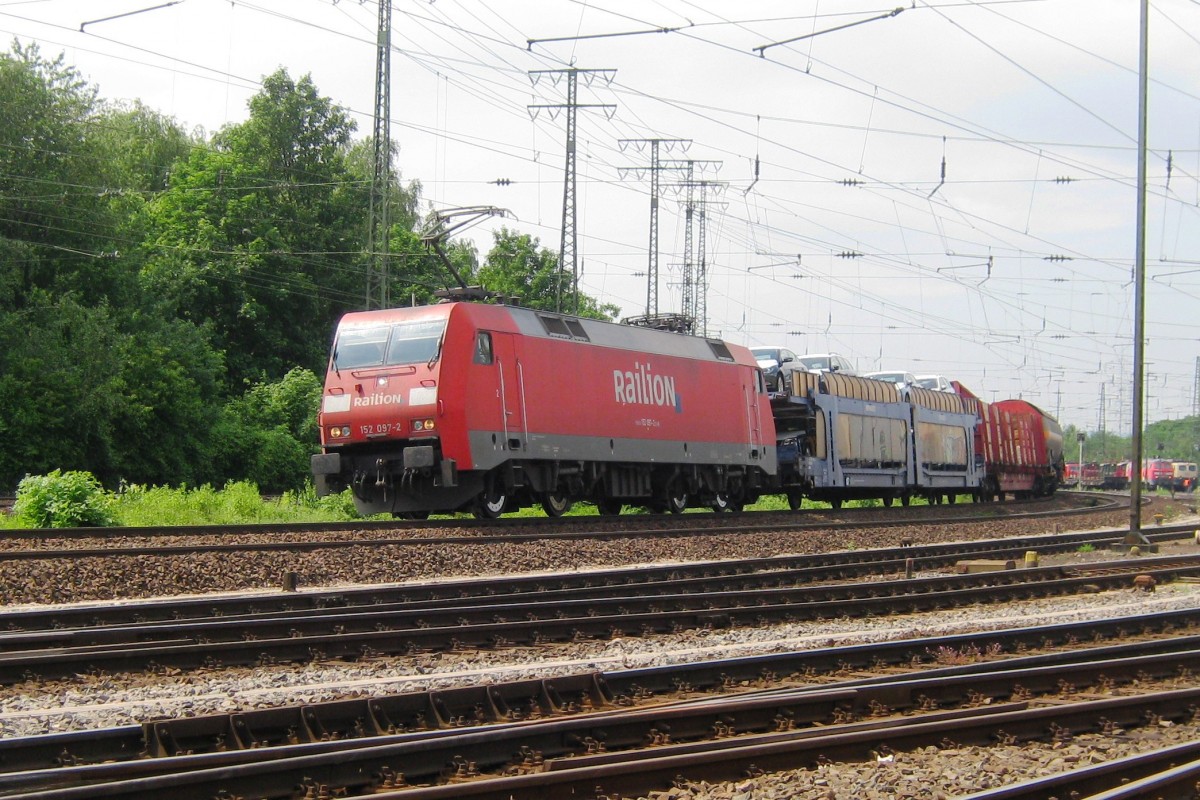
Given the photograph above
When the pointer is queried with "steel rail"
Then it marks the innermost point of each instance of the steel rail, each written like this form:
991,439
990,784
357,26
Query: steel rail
377,768
729,592
593,528
1168,773
346,725
661,768
670,578
342,720
50,655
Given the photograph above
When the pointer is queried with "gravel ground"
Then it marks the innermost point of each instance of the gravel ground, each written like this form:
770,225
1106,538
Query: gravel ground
58,581
935,774
94,702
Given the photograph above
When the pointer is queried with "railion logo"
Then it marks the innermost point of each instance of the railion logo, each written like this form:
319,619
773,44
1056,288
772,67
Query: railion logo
379,400
641,386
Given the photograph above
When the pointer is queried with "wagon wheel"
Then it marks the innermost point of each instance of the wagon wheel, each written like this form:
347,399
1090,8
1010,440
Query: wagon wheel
887,501
555,504
836,503
492,500
795,499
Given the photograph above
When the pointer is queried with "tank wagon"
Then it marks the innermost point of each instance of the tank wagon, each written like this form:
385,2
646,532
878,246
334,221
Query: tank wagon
1021,447
488,408
841,437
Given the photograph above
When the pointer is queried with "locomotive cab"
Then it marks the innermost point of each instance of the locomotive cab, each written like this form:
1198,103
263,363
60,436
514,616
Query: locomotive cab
379,411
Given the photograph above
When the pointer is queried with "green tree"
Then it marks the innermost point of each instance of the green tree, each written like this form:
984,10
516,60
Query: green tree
261,233
81,388
58,229
268,434
517,266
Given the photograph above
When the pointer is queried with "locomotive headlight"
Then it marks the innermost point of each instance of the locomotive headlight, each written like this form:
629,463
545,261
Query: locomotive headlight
339,432
419,425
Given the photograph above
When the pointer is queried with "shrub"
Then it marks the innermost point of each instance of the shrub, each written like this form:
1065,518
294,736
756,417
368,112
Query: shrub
62,500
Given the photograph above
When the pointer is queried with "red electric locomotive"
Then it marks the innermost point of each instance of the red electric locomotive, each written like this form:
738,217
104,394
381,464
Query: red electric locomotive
1022,448
1158,473
487,408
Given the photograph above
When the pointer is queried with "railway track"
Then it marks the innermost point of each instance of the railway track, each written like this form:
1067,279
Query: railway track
124,542
626,733
494,622
168,756
669,579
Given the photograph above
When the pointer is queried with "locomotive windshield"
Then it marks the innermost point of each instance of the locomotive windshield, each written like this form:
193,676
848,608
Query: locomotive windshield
388,345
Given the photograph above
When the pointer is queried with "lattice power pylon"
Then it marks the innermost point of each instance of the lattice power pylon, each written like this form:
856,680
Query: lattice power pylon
378,280
568,252
654,168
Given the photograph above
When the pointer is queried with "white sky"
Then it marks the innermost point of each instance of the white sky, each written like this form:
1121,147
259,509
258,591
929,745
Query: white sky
1013,95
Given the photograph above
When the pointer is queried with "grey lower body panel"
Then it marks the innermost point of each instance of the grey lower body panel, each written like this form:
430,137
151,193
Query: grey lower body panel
492,448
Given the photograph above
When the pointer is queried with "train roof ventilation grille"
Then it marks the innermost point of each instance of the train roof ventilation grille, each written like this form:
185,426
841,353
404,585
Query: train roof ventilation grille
720,350
576,329
563,328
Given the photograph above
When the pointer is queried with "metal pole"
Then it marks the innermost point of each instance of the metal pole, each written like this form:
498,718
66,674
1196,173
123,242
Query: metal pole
1139,280
1079,470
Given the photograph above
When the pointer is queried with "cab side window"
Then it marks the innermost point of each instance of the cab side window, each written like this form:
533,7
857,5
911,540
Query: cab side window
483,348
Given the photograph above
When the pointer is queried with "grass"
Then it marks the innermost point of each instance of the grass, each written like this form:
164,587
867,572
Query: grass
240,502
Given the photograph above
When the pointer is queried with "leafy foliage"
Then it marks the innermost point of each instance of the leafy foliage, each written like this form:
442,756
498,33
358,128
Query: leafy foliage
517,266
62,500
269,433
1174,439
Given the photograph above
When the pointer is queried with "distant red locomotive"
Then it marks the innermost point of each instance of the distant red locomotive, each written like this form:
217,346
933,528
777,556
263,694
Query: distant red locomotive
1021,446
1158,473
487,408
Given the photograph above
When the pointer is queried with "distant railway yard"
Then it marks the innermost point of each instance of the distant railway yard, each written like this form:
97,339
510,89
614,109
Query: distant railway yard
938,651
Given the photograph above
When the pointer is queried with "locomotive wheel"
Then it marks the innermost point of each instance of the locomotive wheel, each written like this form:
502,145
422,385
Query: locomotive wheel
491,502
555,504
677,498
608,507
727,501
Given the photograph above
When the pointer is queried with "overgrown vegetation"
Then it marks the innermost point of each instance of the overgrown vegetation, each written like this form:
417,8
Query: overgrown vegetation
62,500
76,499
1173,439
